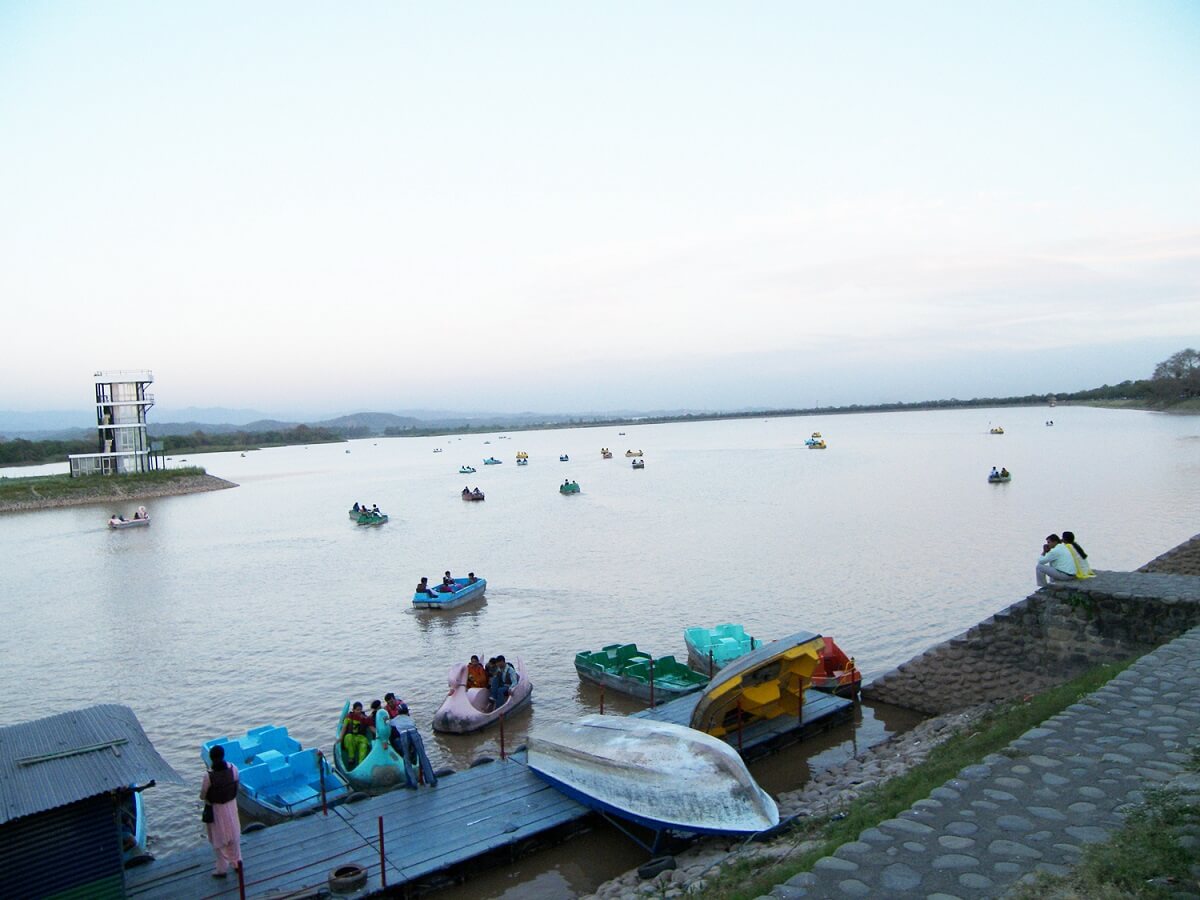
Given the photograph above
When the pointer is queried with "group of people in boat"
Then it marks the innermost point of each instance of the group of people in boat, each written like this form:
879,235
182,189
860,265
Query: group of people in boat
358,728
476,494
448,585
499,676
137,516
1002,473
1062,559
363,510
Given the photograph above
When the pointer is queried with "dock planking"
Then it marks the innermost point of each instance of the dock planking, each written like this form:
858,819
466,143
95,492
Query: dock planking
502,802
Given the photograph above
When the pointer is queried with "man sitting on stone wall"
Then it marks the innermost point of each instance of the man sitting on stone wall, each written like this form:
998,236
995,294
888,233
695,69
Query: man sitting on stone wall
1055,563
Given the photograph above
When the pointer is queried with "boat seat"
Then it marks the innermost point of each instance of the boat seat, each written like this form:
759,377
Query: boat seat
273,760
295,794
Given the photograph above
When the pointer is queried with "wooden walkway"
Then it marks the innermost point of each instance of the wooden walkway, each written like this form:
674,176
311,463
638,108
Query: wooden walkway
493,807
820,711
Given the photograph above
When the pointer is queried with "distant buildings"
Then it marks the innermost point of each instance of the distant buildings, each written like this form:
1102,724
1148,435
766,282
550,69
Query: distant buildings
123,445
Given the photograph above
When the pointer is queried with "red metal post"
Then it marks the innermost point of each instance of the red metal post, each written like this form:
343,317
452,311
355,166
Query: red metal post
652,682
321,772
241,881
502,735
800,700
739,712
382,857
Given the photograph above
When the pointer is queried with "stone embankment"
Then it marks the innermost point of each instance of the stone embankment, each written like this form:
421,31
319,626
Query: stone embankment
1036,804
111,490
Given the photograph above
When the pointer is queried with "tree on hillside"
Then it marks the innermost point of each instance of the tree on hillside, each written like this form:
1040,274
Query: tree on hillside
1178,376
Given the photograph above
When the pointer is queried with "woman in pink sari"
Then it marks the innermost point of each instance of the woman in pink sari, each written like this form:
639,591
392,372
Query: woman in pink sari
219,790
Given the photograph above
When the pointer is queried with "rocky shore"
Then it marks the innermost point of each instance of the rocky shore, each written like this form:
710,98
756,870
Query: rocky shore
111,490
827,793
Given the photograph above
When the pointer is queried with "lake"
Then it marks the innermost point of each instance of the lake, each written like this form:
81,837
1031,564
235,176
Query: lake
265,603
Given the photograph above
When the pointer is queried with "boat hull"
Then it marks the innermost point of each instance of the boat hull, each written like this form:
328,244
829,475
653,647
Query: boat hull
128,523
764,684
465,709
625,669
664,691
659,775
999,479
463,594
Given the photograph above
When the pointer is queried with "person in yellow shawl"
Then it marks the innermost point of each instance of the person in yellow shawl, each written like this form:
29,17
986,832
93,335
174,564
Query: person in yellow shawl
1083,569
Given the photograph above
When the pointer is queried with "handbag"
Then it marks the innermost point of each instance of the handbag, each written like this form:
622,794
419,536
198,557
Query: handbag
207,815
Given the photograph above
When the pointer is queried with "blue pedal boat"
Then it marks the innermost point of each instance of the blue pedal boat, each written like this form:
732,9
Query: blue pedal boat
710,649
382,768
279,779
464,592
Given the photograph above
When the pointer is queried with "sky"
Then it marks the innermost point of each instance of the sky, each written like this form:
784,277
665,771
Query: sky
298,206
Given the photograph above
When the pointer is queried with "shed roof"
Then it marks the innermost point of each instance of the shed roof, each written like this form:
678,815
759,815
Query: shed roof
58,760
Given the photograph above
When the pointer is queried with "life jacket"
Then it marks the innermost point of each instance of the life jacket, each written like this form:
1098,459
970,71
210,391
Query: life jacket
222,785
476,675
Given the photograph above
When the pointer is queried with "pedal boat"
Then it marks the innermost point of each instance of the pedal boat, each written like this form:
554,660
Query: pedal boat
627,670
466,709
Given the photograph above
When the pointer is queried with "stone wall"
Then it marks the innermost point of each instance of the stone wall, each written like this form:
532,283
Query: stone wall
1048,638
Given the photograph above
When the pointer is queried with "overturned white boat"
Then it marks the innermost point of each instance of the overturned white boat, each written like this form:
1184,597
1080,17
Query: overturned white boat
662,776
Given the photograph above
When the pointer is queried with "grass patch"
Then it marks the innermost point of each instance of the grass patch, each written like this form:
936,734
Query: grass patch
57,487
991,734
1144,859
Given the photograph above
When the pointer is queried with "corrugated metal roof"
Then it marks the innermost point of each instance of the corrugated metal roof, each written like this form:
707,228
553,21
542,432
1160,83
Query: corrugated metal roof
50,762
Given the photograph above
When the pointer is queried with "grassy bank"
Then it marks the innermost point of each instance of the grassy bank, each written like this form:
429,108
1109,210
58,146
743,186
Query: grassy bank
748,879
49,489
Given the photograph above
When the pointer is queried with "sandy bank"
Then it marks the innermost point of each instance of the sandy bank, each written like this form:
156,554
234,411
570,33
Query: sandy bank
110,490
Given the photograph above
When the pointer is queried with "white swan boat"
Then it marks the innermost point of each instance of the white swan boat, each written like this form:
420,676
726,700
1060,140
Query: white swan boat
662,776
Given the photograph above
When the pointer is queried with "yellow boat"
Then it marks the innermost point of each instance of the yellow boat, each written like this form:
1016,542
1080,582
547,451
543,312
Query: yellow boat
766,683
521,454
997,430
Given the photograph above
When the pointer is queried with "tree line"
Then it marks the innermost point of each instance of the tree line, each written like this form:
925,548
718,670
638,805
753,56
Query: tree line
1174,380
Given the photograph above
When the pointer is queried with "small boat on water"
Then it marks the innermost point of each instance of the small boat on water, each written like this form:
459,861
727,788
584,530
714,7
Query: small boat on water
1002,477
466,709
140,519
521,454
277,778
639,464
522,462
466,470
633,453
465,590
367,518
492,461
605,453
997,430
711,649
655,774
836,673
764,684
569,487
474,495
624,668
562,457
437,449
815,444
382,768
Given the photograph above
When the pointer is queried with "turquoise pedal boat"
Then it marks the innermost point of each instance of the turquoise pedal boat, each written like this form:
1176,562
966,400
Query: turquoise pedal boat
710,649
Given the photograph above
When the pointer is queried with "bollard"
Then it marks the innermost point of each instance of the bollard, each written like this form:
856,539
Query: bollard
241,881
382,857
321,772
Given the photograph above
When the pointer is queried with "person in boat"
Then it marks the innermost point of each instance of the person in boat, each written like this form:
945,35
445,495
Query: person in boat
503,681
375,510
356,728
477,676
424,588
1083,569
471,579
355,507
219,791
1055,564
1003,473
394,705
994,473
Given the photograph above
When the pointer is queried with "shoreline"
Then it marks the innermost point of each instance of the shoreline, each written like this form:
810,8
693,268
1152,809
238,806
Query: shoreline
193,484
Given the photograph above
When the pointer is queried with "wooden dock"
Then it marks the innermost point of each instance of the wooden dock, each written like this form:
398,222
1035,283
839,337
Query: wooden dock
491,812
495,808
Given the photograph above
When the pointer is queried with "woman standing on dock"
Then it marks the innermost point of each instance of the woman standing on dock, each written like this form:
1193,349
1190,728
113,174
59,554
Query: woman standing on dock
219,793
